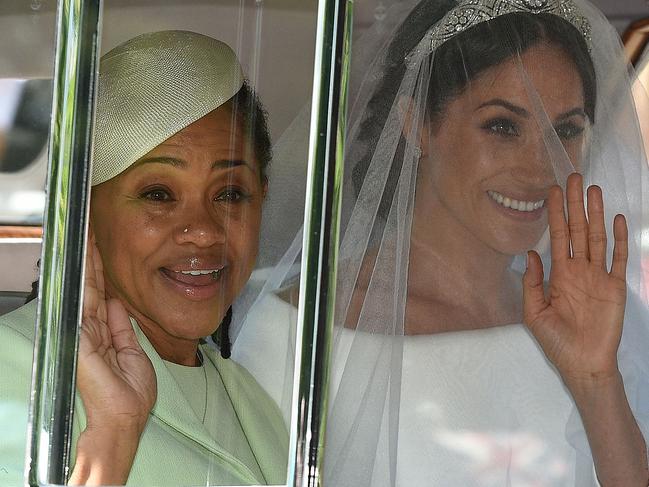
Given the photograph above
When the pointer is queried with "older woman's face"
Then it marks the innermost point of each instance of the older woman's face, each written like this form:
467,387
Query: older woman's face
178,231
486,157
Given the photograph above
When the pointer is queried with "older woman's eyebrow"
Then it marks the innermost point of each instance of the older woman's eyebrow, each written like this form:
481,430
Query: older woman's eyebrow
228,163
499,102
162,160
182,164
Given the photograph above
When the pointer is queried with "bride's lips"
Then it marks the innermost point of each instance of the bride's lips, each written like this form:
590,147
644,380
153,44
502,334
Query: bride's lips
524,209
195,284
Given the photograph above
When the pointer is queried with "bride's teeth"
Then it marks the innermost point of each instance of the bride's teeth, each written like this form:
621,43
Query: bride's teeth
518,205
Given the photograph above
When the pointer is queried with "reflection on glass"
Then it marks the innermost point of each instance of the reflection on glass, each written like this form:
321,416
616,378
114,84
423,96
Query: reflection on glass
640,90
189,222
178,187
25,101
24,123
641,98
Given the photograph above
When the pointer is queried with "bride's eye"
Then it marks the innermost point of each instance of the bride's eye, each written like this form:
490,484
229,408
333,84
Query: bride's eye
569,130
502,126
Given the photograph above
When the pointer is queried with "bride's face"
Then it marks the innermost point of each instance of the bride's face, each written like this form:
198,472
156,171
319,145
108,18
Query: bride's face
486,159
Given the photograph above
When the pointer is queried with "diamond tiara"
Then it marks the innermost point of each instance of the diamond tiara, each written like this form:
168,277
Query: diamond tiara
469,13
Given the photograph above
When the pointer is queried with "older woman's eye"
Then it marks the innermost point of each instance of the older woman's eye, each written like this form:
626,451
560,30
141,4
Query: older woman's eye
156,195
502,126
232,195
569,130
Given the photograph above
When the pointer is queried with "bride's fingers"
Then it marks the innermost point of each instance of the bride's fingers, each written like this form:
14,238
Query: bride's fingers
621,248
577,223
559,236
533,293
596,227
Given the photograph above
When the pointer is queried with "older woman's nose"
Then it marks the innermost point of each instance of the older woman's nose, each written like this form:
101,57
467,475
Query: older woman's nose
201,227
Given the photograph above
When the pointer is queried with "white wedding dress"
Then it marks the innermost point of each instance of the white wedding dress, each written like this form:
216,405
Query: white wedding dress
470,414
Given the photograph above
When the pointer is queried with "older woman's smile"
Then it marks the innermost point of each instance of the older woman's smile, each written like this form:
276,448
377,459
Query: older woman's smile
214,273
195,284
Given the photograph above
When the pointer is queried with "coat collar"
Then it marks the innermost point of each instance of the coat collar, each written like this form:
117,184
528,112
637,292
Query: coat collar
173,409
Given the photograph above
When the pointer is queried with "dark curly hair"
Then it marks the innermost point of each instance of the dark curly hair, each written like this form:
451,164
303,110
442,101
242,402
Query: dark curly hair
246,105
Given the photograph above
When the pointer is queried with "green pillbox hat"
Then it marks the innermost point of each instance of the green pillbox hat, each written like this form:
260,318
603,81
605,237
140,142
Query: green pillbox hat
153,86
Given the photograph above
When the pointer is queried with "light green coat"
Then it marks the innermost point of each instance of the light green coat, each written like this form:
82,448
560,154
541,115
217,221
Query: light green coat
175,448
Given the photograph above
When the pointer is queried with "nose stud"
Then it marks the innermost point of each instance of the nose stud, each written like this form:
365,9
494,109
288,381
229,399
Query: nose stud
197,232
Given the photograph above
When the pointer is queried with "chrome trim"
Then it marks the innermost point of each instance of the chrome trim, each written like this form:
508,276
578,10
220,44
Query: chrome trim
61,277
320,242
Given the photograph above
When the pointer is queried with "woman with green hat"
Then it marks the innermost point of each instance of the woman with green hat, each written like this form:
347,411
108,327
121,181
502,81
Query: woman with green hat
179,178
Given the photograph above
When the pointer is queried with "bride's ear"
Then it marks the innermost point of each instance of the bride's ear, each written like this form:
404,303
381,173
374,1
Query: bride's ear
413,122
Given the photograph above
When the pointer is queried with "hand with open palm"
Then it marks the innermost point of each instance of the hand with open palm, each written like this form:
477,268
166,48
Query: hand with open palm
578,323
578,320
116,382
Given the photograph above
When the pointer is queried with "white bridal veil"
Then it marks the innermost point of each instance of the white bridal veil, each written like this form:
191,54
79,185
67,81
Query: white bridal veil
434,379
461,117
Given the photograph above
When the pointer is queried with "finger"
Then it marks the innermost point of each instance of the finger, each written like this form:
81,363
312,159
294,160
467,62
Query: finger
88,336
621,248
90,296
121,330
533,295
559,236
577,223
596,227
99,278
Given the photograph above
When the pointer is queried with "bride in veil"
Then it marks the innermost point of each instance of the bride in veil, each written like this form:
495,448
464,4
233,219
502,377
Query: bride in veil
490,327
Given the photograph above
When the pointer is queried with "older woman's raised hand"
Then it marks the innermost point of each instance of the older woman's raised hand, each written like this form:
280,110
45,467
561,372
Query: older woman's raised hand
116,381
578,321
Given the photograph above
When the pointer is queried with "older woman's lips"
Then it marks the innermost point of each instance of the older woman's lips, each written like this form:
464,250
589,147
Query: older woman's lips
195,284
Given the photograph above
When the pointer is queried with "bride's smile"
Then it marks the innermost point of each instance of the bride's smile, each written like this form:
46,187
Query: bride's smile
521,205
497,193
521,209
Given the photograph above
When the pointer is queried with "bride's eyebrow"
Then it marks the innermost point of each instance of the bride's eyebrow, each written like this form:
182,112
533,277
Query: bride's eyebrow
575,111
499,102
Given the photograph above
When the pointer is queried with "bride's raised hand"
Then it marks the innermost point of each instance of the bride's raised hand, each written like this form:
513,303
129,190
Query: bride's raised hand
116,382
578,320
